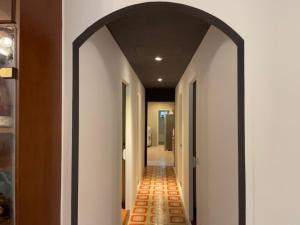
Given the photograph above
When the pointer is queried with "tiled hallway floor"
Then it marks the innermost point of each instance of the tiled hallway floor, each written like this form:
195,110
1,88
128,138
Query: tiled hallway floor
158,200
158,156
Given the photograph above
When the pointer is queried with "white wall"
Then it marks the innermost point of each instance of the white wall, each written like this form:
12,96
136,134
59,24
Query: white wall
178,138
271,33
103,67
140,139
214,68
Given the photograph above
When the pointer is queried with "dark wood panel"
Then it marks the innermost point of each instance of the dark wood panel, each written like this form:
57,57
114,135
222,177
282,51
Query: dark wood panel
39,113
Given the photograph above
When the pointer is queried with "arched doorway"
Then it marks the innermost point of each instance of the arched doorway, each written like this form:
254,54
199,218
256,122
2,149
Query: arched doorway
240,80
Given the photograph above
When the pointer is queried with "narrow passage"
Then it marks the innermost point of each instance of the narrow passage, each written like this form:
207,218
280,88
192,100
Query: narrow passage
158,200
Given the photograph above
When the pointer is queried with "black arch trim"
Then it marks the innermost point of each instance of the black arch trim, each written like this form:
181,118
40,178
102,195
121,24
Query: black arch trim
198,13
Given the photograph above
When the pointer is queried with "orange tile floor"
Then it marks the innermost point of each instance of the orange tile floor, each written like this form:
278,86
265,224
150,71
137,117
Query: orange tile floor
158,200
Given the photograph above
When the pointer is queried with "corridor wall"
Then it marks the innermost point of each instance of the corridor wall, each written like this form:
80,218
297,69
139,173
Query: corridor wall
272,81
214,68
103,68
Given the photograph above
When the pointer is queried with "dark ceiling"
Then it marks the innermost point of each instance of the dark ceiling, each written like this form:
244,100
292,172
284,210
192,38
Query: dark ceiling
158,31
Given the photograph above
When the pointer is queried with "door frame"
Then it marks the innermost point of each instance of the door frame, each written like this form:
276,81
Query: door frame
156,95
193,152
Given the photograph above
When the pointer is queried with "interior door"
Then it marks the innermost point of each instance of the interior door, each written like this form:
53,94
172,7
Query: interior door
123,144
193,153
169,126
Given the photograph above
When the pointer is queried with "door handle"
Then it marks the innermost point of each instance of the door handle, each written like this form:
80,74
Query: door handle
124,154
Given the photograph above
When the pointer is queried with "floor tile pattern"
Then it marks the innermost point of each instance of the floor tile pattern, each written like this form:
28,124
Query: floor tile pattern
158,200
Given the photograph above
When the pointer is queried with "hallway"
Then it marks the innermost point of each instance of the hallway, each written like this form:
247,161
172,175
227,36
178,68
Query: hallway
158,199
172,107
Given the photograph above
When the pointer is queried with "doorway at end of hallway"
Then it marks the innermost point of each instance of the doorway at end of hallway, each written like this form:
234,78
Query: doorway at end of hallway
160,133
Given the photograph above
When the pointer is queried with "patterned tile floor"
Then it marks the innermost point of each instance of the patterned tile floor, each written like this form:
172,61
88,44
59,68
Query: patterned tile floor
158,200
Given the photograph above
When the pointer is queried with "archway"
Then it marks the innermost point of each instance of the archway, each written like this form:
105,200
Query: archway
240,101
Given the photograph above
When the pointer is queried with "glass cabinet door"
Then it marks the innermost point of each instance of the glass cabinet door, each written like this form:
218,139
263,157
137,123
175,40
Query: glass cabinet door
7,150
7,111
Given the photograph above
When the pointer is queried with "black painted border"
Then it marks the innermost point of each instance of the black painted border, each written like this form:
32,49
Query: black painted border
236,38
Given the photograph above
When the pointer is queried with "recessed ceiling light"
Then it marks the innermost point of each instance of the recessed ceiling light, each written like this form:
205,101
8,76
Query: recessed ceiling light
158,58
159,79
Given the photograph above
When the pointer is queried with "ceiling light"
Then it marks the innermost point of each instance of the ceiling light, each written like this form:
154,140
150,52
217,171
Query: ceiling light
159,79
158,58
